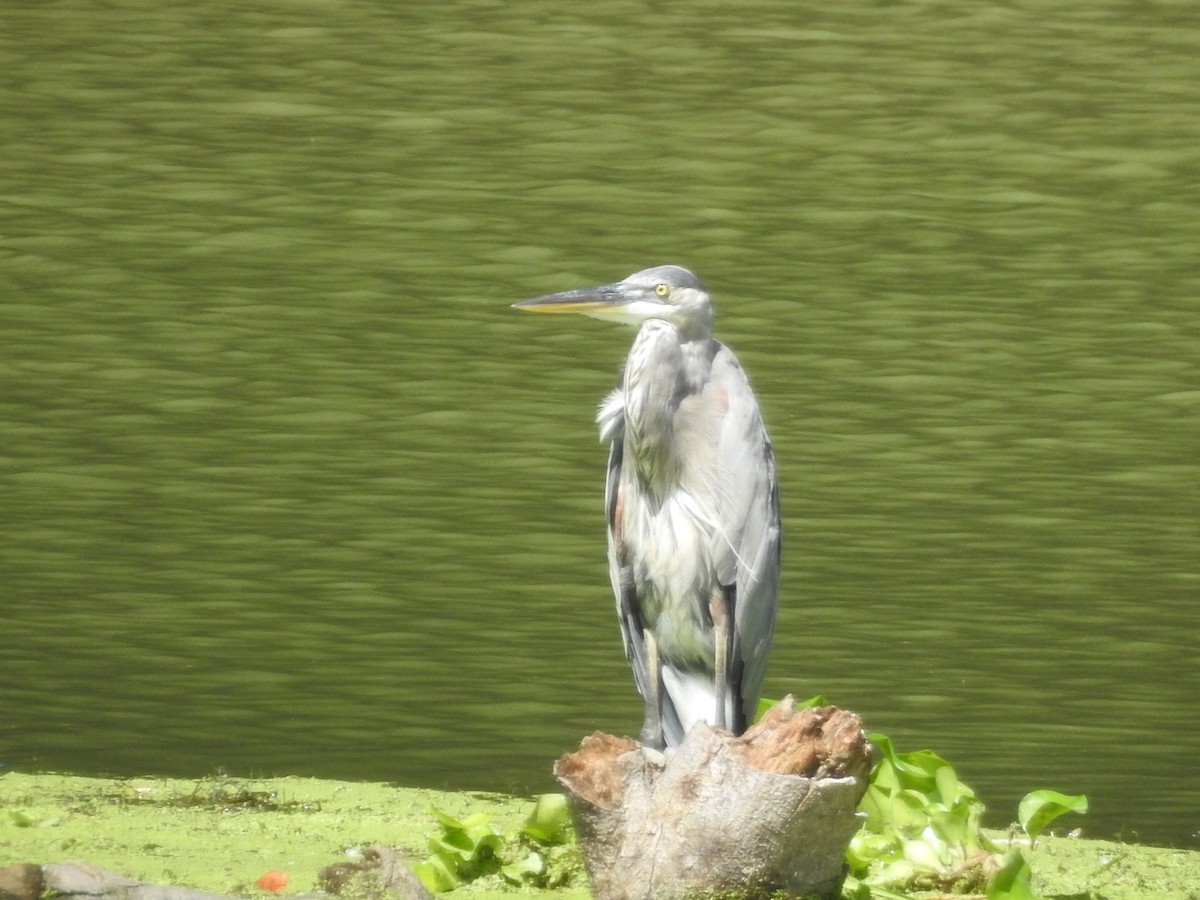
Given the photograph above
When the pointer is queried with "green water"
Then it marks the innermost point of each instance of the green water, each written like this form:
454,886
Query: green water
287,487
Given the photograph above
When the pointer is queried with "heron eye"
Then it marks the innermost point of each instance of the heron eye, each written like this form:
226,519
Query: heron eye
662,290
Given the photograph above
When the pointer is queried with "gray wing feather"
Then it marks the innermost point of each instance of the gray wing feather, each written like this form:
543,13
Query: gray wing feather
628,614
747,509
750,515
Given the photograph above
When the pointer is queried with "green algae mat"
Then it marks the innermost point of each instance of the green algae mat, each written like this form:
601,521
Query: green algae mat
224,834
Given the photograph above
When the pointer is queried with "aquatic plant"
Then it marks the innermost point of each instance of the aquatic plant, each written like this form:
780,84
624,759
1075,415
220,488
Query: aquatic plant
922,830
540,853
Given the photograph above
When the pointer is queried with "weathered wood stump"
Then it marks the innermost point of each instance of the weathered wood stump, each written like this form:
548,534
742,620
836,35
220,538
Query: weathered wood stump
772,810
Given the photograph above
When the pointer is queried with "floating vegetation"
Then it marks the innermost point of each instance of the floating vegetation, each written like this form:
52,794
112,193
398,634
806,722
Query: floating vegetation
922,831
219,792
542,853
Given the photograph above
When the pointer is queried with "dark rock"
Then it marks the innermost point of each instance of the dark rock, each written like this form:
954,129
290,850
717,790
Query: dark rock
382,874
21,882
80,881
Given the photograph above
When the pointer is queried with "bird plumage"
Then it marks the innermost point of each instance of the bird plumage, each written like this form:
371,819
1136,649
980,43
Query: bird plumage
692,506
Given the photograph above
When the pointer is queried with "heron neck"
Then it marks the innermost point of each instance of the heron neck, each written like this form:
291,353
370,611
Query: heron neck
662,370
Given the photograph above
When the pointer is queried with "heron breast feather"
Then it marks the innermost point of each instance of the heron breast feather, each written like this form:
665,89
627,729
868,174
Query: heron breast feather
672,548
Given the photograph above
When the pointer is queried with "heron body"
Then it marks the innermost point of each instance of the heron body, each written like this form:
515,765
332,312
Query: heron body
692,505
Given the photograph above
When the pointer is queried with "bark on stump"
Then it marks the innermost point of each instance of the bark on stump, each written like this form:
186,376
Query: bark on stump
772,810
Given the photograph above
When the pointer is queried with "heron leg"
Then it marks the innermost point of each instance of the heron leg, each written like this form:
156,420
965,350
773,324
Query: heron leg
720,618
652,728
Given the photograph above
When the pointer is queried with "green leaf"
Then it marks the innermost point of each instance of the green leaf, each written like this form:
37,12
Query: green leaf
922,854
854,889
948,785
765,703
865,848
908,812
436,874
898,872
883,744
550,820
446,820
532,865
916,770
953,830
876,804
885,777
475,821
921,819
1012,882
1039,808
453,841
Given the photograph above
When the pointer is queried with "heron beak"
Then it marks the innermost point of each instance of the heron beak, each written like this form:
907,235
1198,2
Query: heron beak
617,302
594,301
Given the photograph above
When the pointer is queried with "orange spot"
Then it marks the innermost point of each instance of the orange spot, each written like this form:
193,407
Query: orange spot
273,881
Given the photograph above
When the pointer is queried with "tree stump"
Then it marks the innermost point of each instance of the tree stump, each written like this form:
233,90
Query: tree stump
772,810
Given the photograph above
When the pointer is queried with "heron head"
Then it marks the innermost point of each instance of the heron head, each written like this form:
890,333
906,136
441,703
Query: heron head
671,293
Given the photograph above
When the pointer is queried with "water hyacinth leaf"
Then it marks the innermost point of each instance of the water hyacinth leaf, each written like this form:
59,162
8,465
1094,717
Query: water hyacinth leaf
923,855
883,744
920,769
437,875
466,849
876,805
885,777
478,825
952,827
1013,881
897,872
454,841
866,847
947,784
532,865
917,770
921,820
1039,808
466,843
854,889
976,839
475,847
447,821
491,841
951,790
766,703
908,812
550,820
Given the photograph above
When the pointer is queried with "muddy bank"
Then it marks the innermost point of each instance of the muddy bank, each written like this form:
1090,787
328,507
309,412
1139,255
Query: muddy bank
222,835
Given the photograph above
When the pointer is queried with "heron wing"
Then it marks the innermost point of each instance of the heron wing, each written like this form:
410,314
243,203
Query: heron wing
612,428
748,513
743,506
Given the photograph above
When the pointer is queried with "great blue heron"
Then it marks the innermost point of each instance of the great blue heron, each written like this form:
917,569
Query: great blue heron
692,505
